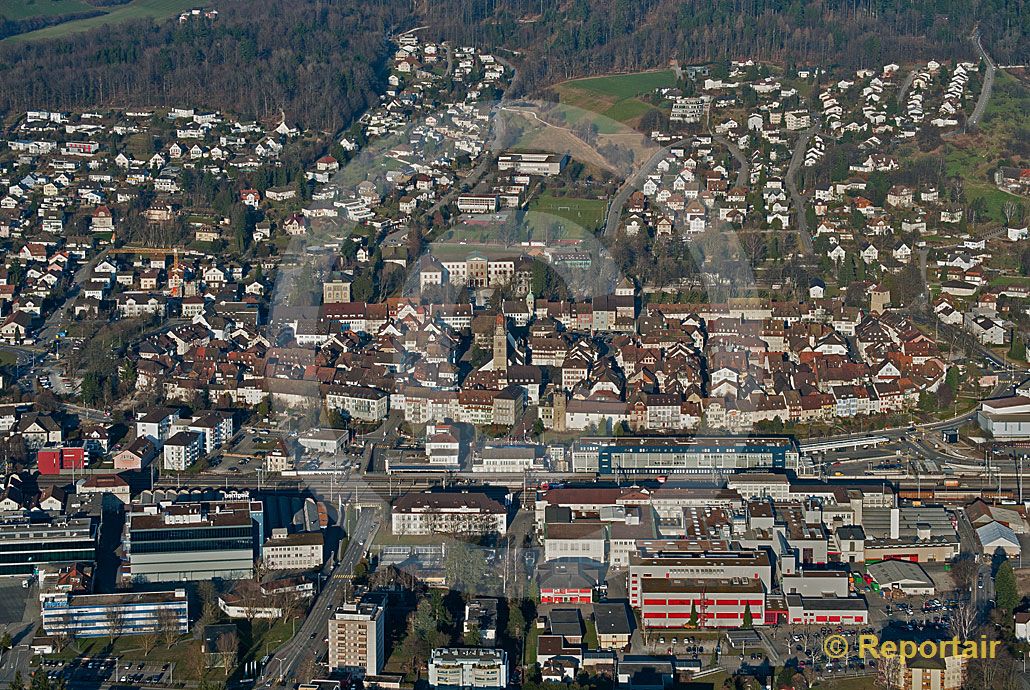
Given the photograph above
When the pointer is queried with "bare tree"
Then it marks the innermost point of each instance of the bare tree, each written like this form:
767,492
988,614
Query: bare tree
227,645
198,660
116,622
965,619
1013,211
149,641
889,672
964,571
168,627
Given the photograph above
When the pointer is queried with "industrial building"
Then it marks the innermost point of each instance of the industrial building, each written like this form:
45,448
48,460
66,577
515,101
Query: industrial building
26,545
193,541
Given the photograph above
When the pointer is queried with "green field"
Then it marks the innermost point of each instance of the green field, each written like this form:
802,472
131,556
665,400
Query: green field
27,9
623,85
995,198
581,214
138,9
614,96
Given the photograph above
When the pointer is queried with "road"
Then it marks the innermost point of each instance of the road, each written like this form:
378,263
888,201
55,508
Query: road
988,84
301,651
796,159
905,85
632,184
54,322
744,173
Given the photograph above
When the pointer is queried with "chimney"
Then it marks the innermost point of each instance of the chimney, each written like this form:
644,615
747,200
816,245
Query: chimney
895,522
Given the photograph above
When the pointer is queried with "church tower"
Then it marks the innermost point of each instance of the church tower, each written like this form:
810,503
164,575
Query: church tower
500,362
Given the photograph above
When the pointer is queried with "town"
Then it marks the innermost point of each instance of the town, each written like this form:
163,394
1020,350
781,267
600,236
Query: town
662,379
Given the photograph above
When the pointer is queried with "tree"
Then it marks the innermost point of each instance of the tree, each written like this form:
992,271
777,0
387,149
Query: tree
116,621
889,672
466,567
227,645
471,637
516,621
1006,594
40,680
1017,350
5,641
148,641
964,618
168,626
749,618
16,682
92,388
693,614
208,602
964,572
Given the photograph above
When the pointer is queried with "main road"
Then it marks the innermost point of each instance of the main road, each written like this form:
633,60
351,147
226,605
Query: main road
301,651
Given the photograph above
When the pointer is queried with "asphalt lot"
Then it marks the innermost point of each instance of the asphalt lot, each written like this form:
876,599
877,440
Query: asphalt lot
13,598
100,670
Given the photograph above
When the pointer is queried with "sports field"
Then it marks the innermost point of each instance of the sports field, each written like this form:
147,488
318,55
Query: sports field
586,214
137,9
614,96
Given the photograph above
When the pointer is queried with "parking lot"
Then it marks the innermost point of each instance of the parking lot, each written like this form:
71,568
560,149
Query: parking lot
108,670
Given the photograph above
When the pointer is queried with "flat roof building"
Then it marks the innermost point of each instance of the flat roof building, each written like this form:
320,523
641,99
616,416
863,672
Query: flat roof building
451,668
357,636
111,615
26,545
193,541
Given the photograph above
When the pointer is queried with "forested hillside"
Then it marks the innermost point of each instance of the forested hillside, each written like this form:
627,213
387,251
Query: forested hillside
579,37
318,60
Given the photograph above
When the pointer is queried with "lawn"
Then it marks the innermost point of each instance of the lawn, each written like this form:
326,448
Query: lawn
1009,107
8,359
584,214
28,9
995,198
138,9
614,96
623,85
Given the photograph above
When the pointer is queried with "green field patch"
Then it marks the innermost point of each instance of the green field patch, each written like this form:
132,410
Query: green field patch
627,110
613,96
624,85
30,9
138,9
995,198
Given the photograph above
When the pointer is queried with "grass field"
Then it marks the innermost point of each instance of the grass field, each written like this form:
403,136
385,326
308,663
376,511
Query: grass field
613,96
587,214
995,198
622,86
138,9
27,9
